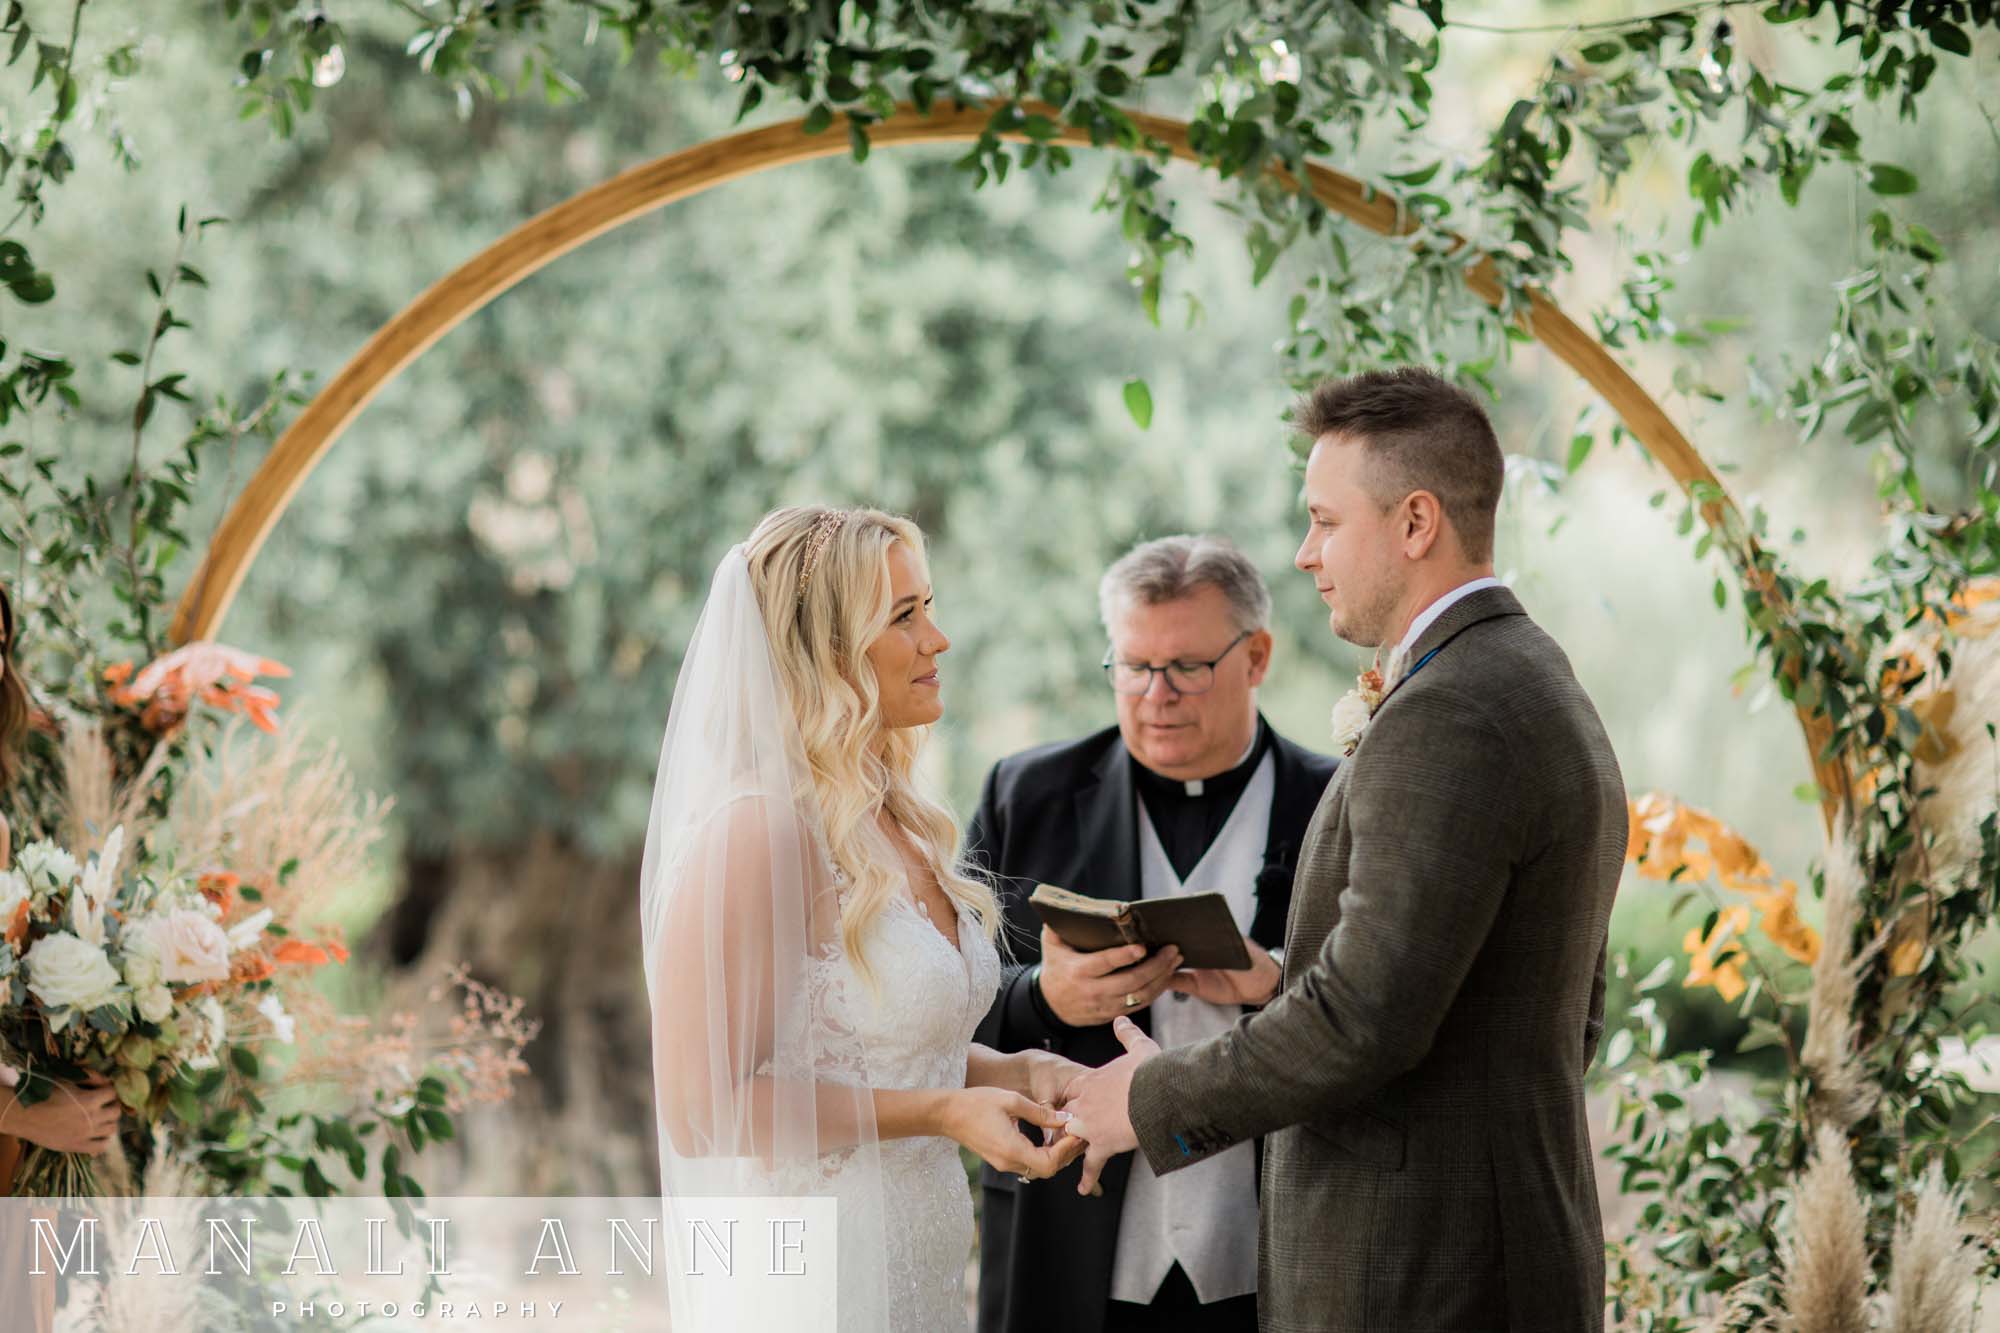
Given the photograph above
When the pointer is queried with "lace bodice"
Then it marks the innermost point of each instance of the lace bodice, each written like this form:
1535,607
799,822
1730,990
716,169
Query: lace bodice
912,1031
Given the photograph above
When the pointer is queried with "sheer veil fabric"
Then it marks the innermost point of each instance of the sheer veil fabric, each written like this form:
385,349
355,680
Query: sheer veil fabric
760,1087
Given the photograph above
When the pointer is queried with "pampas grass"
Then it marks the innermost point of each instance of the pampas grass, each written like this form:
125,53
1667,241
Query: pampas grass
1826,1265
145,1300
94,802
281,813
1956,761
1842,1091
1933,1282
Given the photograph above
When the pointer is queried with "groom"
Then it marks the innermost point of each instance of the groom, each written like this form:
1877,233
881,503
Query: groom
1419,1079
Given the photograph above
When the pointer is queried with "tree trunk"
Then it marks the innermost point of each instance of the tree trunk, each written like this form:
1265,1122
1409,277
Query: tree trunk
560,929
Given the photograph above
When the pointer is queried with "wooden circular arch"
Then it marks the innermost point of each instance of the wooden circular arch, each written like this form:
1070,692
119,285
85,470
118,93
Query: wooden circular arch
643,189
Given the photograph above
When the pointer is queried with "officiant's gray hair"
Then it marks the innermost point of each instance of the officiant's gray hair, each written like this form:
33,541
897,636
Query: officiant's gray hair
1170,568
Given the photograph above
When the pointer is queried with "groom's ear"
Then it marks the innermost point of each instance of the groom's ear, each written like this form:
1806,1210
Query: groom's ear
1422,521
1260,645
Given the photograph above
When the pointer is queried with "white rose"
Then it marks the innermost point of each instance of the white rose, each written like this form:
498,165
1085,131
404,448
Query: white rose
155,1003
14,891
47,866
1350,718
248,931
62,969
190,947
204,1041
282,1023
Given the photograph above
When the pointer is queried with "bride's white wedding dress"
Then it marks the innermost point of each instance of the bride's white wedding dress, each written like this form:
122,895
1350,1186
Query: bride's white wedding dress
915,1035
769,1044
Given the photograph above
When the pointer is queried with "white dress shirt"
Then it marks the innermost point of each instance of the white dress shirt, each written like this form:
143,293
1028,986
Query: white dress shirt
1429,615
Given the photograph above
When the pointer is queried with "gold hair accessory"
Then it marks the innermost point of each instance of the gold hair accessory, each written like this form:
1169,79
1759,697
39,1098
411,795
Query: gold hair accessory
823,530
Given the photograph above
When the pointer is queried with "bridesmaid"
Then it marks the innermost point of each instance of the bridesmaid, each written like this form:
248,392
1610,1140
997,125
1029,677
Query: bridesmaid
75,1118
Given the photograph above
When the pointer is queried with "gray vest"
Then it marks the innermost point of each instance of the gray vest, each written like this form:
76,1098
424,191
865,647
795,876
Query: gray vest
1204,1216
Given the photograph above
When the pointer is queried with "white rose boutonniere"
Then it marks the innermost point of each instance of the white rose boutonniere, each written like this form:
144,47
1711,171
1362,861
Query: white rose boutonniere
1351,715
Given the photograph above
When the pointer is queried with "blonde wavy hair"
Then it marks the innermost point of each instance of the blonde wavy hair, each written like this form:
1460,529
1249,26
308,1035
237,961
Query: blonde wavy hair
820,626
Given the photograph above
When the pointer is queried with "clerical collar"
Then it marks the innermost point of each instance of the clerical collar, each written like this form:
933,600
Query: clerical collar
1228,784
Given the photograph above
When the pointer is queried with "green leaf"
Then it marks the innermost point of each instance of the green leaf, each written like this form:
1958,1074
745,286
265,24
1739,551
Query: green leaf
818,119
1887,178
1139,402
857,140
1763,1032
1950,37
1619,1049
1579,449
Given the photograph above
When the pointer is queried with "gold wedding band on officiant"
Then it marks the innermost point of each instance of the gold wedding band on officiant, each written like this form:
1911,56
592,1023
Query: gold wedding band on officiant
1131,1002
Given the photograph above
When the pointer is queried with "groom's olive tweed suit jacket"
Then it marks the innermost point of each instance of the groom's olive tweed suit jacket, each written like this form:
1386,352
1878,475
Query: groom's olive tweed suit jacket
1419,1080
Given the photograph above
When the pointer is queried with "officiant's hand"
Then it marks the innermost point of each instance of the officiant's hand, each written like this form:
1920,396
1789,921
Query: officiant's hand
1256,984
1099,1104
1086,989
985,1120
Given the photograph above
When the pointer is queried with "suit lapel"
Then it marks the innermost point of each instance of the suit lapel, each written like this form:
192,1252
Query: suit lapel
1289,810
1460,616
1107,823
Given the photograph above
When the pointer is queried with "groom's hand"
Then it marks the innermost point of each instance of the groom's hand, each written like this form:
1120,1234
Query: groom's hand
1254,985
1086,989
1099,1104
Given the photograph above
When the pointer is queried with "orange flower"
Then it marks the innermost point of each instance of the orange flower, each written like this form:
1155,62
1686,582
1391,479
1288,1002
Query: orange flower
1781,923
310,955
1703,969
220,888
1970,598
214,673
17,929
298,951
1660,830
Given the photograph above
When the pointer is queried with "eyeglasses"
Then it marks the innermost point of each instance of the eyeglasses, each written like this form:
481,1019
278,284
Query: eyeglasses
1182,677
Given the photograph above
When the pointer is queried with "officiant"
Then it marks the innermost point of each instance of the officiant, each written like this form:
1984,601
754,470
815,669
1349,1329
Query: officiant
1191,792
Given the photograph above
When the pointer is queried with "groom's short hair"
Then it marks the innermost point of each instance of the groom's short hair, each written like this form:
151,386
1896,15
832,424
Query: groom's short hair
1422,433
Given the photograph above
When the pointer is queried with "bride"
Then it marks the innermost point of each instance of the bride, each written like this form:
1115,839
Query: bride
816,961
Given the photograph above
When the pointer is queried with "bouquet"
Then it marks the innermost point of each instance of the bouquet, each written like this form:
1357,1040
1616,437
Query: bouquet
140,973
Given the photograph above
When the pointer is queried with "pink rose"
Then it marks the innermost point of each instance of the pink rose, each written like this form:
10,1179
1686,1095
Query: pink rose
190,947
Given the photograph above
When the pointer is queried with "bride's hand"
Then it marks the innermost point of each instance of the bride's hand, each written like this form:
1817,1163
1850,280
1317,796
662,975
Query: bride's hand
983,1119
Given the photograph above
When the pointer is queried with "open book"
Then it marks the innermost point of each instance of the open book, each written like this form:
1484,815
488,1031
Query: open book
1199,923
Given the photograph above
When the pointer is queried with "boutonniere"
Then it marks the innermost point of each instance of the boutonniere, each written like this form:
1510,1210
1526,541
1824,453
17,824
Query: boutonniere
1356,707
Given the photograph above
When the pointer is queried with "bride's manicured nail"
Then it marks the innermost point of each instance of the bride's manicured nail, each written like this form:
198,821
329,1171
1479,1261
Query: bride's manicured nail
1064,1116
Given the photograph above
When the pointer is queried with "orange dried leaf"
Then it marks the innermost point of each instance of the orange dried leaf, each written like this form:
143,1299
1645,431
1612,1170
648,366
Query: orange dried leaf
299,952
